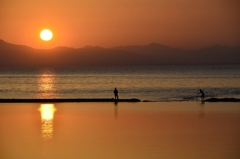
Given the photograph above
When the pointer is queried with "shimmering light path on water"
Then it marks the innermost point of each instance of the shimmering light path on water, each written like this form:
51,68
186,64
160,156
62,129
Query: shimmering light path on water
155,130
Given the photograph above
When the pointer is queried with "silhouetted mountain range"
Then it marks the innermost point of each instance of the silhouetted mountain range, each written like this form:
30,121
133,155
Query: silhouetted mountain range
12,55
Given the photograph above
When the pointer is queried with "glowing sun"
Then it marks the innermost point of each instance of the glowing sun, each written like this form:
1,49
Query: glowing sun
46,35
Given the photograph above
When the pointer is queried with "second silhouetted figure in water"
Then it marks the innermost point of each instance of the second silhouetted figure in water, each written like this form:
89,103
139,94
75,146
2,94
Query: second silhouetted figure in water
115,93
202,94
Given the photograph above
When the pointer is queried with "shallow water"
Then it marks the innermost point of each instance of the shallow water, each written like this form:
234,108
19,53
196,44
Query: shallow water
125,130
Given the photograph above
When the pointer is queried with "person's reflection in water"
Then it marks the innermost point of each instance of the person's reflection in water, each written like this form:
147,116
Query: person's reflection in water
116,109
201,111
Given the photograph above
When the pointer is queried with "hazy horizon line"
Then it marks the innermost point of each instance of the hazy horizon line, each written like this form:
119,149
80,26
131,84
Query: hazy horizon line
97,46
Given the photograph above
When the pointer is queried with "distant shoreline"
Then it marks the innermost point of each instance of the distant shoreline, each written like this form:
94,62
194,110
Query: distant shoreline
101,100
12,55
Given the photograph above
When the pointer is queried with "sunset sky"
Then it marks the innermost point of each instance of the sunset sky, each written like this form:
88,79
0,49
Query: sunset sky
108,23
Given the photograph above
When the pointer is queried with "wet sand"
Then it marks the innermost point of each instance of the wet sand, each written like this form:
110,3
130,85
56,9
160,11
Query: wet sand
107,130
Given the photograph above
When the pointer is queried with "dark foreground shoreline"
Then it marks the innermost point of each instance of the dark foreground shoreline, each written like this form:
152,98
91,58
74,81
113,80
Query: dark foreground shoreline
222,100
100,100
67,100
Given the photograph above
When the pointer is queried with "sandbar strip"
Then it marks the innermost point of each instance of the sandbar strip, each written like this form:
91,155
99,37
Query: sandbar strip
222,100
67,100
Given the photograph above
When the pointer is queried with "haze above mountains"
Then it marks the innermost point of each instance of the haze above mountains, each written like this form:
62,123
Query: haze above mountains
12,55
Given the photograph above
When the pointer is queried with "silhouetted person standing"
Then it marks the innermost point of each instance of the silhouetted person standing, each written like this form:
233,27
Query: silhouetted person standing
202,94
115,93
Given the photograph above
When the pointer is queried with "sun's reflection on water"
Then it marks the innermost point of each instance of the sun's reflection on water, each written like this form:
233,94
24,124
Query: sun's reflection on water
46,85
47,115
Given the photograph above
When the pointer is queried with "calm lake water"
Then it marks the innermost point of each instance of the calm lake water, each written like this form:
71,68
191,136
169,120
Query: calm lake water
171,130
155,83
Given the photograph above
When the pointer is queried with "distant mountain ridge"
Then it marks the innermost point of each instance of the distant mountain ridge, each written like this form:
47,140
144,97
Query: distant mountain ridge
12,55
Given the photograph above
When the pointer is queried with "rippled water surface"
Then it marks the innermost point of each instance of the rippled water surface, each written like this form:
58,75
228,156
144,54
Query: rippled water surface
156,83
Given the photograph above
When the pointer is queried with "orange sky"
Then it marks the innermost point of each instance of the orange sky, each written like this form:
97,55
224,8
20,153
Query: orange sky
107,23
